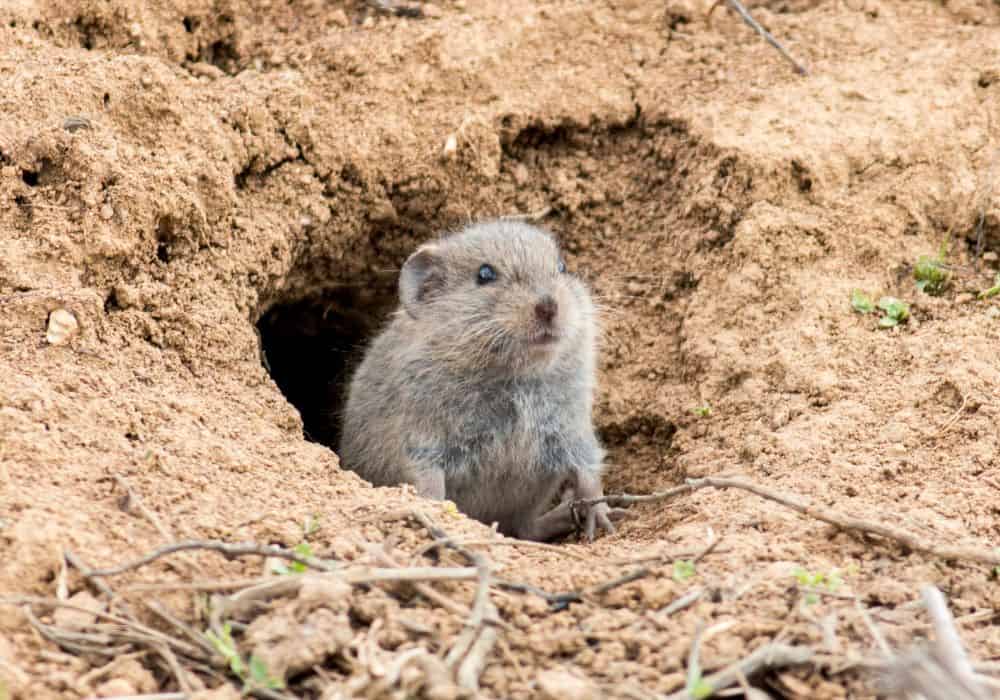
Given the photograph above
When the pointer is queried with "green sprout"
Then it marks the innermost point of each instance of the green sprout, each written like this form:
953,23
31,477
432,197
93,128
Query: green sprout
255,674
931,274
992,291
310,526
304,550
260,676
894,312
225,645
700,689
683,570
861,302
702,411
826,581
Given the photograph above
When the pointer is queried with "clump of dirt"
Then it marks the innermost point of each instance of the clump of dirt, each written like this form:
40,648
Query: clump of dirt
216,189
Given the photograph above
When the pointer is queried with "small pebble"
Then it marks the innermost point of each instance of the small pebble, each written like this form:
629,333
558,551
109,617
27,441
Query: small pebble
431,10
115,687
562,685
339,17
72,124
964,298
74,619
205,70
450,147
107,212
147,81
62,325
990,257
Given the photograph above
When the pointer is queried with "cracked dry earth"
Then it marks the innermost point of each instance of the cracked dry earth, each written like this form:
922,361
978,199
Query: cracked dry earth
194,182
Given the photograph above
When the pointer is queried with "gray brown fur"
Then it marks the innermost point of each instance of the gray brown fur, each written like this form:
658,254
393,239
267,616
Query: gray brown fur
457,397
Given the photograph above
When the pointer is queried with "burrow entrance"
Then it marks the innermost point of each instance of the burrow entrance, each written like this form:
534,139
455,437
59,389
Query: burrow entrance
312,345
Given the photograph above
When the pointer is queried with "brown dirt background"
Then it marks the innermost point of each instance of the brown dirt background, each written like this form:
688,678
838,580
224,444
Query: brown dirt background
244,154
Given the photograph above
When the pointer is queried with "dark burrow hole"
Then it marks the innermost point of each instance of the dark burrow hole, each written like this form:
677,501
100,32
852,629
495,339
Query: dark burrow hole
311,347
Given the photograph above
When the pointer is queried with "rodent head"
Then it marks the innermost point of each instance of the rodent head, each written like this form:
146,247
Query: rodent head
497,296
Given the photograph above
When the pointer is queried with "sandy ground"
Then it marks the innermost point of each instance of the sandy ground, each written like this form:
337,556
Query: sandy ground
187,178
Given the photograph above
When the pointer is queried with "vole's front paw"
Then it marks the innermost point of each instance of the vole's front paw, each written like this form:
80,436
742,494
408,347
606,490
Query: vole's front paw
600,515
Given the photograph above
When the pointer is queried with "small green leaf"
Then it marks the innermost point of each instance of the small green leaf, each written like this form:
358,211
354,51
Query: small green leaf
931,274
701,689
861,302
260,676
310,525
304,550
992,291
226,646
894,312
683,570
702,411
279,567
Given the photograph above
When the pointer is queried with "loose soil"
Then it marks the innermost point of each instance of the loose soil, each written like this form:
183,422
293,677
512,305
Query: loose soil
204,181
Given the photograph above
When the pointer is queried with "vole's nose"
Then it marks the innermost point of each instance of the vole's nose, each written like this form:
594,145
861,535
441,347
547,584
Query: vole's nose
546,309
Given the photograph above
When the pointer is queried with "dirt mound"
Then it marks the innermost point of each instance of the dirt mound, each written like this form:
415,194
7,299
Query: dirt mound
204,184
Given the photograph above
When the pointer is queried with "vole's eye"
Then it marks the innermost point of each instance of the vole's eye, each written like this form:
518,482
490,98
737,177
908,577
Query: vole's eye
486,274
562,266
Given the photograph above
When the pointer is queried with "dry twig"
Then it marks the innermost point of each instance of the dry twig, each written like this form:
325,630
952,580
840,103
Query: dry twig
943,670
131,500
230,551
469,653
766,35
769,656
843,521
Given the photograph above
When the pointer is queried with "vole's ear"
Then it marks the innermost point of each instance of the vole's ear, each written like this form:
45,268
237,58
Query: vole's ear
421,276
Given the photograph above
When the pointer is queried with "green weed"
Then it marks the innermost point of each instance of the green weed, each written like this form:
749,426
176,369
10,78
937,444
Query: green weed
253,674
861,302
683,570
894,312
992,291
826,581
931,274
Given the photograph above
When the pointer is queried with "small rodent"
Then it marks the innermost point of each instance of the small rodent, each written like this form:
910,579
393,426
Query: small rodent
480,387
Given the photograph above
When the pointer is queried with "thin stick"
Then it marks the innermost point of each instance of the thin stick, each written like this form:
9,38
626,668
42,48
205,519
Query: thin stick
230,551
873,629
510,542
184,628
132,499
474,646
769,656
603,588
941,671
87,572
948,641
982,207
425,589
753,24
951,421
902,537
197,586
146,632
154,696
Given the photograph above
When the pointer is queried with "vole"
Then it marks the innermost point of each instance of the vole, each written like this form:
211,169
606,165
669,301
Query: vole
480,387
